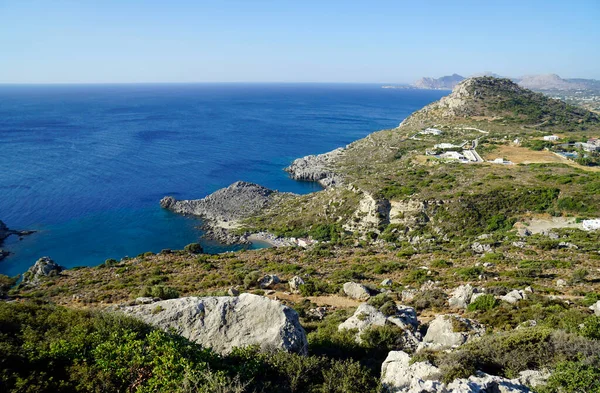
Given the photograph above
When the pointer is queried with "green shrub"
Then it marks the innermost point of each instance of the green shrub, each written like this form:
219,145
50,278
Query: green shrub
315,287
160,291
591,327
251,279
483,303
430,299
573,377
6,283
470,273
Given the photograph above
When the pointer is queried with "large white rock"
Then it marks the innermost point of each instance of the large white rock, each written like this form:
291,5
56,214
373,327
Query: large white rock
596,308
367,317
441,333
514,296
222,323
356,291
295,283
461,296
486,383
398,375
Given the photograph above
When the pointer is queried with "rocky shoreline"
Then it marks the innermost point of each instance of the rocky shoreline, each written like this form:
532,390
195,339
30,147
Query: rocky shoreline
317,168
223,210
6,232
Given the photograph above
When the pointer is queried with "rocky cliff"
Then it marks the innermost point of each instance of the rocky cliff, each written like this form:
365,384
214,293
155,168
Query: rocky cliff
317,168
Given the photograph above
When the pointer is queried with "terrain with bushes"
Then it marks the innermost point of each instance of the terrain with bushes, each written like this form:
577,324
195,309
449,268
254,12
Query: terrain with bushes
410,229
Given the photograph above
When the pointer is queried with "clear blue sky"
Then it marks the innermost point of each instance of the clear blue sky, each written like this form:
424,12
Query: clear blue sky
293,41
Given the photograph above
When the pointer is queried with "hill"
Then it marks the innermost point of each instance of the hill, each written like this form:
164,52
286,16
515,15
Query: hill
443,83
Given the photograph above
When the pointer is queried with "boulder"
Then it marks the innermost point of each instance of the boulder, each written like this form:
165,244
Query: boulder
144,300
295,283
514,296
398,375
481,248
233,291
450,331
356,291
561,283
268,281
367,316
386,283
223,323
461,296
596,308
486,383
43,267
408,295
523,232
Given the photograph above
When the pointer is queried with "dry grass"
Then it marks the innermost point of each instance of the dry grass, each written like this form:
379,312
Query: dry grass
522,155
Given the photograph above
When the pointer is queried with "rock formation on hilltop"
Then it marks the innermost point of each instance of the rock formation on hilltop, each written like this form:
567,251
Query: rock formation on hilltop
445,82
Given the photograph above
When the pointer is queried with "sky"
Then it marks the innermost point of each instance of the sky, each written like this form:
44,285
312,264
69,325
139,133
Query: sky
397,41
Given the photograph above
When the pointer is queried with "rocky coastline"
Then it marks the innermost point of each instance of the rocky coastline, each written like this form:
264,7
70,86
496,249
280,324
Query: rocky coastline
317,168
223,210
6,232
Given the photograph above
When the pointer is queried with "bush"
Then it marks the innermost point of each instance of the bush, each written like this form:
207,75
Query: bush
159,291
573,377
591,327
315,287
430,299
251,279
579,276
194,248
483,303
6,283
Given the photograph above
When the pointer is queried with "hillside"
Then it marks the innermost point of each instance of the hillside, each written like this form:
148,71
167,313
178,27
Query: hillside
411,271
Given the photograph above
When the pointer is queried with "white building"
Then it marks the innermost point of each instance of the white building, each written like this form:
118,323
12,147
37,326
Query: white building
551,138
454,155
445,146
431,131
591,225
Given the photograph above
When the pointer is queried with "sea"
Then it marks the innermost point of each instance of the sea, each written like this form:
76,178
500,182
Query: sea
85,166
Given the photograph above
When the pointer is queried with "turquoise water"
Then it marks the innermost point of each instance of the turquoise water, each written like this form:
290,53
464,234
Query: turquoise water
86,165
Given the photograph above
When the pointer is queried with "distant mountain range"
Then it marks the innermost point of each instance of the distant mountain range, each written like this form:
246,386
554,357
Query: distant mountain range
547,82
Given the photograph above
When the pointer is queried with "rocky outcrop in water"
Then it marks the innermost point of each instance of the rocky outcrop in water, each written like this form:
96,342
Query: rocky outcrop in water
223,209
223,323
43,268
6,232
318,168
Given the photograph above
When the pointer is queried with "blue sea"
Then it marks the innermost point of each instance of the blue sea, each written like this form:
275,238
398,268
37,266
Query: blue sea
86,165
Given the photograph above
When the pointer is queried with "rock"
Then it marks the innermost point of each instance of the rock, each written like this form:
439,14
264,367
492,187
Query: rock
317,168
408,295
519,244
461,296
398,375
144,300
533,378
367,316
486,383
450,331
514,296
568,245
233,291
561,283
356,291
318,313
475,296
223,209
269,292
43,267
268,281
364,317
386,283
6,232
222,323
596,308
481,248
295,283
523,232
552,235
488,264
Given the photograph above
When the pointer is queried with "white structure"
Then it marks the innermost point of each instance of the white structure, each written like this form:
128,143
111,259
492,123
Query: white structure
454,155
445,146
551,138
587,146
591,225
431,131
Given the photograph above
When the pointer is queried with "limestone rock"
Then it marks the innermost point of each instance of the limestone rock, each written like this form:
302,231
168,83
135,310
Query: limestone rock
268,281
356,291
317,168
386,283
450,331
561,283
486,383
596,308
367,316
222,323
233,291
398,375
523,232
462,296
295,283
481,248
43,267
144,300
514,296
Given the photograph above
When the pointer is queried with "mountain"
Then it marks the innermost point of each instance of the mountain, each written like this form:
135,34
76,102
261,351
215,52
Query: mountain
550,82
445,82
